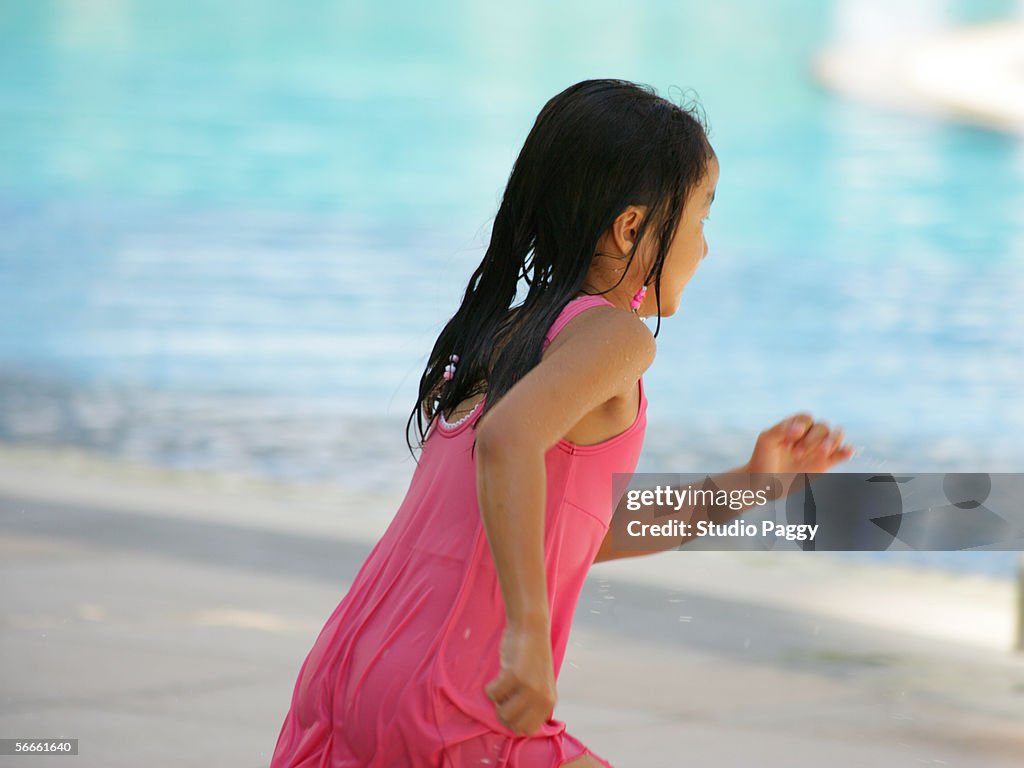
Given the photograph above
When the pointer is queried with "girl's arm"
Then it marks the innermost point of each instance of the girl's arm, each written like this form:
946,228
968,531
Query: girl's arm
733,479
794,446
597,353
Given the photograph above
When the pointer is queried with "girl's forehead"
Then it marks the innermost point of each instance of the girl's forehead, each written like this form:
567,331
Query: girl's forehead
713,166
707,184
710,181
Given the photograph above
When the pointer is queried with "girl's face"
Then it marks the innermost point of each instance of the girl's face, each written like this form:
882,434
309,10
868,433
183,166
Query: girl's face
688,247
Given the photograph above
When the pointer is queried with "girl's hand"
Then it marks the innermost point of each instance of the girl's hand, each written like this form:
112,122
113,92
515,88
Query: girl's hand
524,690
798,444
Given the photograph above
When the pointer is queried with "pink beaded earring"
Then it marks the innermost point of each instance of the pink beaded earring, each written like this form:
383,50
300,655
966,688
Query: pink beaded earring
638,298
449,370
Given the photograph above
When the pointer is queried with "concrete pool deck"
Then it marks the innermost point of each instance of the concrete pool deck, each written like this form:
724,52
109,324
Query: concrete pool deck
972,74
160,619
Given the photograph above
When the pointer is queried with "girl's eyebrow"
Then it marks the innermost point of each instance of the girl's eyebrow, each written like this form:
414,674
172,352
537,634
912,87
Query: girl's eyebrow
711,196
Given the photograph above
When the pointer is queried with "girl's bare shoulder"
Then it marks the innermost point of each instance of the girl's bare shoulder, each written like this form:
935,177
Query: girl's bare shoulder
596,358
622,332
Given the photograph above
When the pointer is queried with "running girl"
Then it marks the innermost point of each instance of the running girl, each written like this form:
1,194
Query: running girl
446,648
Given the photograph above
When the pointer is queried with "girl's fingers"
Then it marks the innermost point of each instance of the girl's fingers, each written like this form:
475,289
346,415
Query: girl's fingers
500,687
804,437
844,453
512,711
812,439
839,450
517,717
833,440
789,429
796,426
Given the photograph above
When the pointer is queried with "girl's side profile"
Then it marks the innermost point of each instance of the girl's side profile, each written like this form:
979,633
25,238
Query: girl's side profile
446,648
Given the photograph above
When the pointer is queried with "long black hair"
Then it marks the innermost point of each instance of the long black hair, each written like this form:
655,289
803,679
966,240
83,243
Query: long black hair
595,148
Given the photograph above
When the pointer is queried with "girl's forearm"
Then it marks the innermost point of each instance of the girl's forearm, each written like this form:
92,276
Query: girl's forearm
511,496
738,479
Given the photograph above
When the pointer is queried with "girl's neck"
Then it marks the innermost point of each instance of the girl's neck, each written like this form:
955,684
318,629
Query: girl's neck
607,296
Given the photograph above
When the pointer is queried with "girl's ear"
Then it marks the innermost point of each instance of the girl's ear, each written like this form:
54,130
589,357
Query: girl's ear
626,226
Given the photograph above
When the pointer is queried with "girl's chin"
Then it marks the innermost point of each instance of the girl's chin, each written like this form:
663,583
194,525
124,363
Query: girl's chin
670,308
667,310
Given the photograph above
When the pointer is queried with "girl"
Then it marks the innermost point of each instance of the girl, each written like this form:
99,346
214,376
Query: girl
446,648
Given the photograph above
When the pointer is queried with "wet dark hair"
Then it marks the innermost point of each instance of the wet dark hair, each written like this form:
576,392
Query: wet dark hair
595,148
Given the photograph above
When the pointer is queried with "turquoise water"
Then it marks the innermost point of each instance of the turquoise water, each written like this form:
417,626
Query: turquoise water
231,236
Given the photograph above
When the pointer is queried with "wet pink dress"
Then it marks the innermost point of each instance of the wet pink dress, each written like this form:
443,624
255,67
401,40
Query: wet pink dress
397,675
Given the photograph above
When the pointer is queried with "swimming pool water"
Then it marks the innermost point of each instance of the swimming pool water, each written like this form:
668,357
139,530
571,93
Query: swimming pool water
231,236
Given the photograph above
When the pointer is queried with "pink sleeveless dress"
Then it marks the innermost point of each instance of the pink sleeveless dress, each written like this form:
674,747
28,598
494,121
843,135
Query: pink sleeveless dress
396,677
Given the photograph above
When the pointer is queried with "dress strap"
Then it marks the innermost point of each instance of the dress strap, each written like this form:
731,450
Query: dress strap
573,308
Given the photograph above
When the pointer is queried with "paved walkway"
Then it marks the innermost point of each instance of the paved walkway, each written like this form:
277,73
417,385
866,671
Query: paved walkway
166,639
